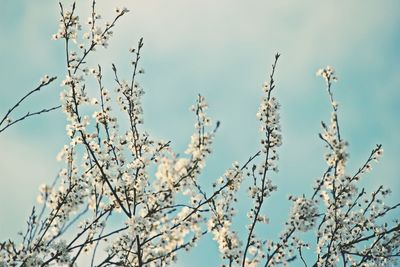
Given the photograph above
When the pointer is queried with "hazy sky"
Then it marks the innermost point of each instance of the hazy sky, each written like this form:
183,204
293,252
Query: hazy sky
222,49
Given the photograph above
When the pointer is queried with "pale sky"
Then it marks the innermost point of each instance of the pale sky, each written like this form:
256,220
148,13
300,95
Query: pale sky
223,50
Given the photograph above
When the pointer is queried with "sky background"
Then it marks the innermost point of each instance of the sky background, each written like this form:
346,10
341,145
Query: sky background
223,50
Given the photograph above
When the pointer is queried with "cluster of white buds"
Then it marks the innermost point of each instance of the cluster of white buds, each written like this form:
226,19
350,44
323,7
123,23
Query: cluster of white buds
223,212
328,73
304,213
200,143
68,26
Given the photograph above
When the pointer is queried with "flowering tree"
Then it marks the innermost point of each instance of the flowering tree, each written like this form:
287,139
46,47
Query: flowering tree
126,199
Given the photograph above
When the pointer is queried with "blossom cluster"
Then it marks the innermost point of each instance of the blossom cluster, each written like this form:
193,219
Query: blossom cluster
304,214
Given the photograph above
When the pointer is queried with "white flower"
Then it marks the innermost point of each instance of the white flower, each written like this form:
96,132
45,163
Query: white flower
45,79
120,10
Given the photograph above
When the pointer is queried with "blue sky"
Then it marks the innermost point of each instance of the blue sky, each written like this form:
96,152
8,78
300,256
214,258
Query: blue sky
222,49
